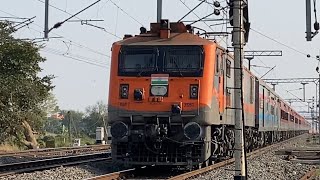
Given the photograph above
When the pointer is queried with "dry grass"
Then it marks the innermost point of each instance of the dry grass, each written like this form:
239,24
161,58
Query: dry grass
8,148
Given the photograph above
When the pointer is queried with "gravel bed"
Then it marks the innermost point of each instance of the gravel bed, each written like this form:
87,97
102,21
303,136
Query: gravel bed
11,159
66,173
267,166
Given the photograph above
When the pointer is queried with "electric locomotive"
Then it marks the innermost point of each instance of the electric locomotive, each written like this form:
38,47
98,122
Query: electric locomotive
171,100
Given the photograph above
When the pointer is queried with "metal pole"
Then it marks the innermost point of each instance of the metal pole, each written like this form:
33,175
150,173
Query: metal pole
69,126
105,126
319,109
249,59
46,19
159,10
238,43
308,20
304,91
314,108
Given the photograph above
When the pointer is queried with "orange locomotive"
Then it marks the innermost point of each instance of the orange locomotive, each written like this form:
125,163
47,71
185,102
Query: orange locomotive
170,100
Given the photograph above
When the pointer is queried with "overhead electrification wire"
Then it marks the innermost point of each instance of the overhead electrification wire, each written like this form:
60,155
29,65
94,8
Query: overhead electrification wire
74,57
195,14
191,11
126,13
59,9
70,41
221,38
224,15
117,18
57,25
301,100
285,45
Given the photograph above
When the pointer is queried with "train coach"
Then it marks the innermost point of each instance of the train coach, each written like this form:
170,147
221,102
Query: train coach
171,101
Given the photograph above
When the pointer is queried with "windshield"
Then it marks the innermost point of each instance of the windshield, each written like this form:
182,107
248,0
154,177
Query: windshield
183,60
173,60
137,61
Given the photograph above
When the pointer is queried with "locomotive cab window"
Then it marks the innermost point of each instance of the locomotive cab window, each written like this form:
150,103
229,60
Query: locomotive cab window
177,61
183,61
137,61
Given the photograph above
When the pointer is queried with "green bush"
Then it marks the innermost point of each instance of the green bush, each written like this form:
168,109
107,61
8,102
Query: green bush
49,141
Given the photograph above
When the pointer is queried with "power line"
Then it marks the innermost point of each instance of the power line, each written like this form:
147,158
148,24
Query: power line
59,9
126,13
223,15
57,25
70,41
77,56
60,53
285,45
74,58
195,14
221,38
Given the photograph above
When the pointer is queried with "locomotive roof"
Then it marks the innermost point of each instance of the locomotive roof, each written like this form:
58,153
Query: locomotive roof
174,39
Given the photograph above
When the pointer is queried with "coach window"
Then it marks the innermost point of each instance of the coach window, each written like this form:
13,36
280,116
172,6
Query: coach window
228,68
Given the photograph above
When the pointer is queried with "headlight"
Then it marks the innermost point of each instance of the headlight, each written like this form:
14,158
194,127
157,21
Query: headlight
124,91
192,130
159,90
119,130
194,91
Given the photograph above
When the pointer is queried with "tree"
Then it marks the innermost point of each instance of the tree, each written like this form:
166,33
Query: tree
22,91
73,120
96,116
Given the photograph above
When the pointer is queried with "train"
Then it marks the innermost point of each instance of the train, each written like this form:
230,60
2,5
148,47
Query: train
171,101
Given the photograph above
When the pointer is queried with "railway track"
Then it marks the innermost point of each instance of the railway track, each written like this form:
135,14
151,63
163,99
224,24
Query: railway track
29,166
127,174
54,152
253,154
309,175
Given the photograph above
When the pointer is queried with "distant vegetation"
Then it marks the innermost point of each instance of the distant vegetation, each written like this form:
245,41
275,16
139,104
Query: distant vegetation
26,99
82,125
23,93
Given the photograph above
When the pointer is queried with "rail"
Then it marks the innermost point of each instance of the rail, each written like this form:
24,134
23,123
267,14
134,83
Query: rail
56,151
21,167
115,175
309,174
229,161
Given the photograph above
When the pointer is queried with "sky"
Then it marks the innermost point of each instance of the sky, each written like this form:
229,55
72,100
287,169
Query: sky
79,55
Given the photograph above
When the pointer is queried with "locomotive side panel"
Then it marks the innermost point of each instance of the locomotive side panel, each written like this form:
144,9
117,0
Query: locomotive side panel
228,117
249,98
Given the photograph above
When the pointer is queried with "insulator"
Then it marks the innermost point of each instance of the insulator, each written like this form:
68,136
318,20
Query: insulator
316,26
216,4
216,12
